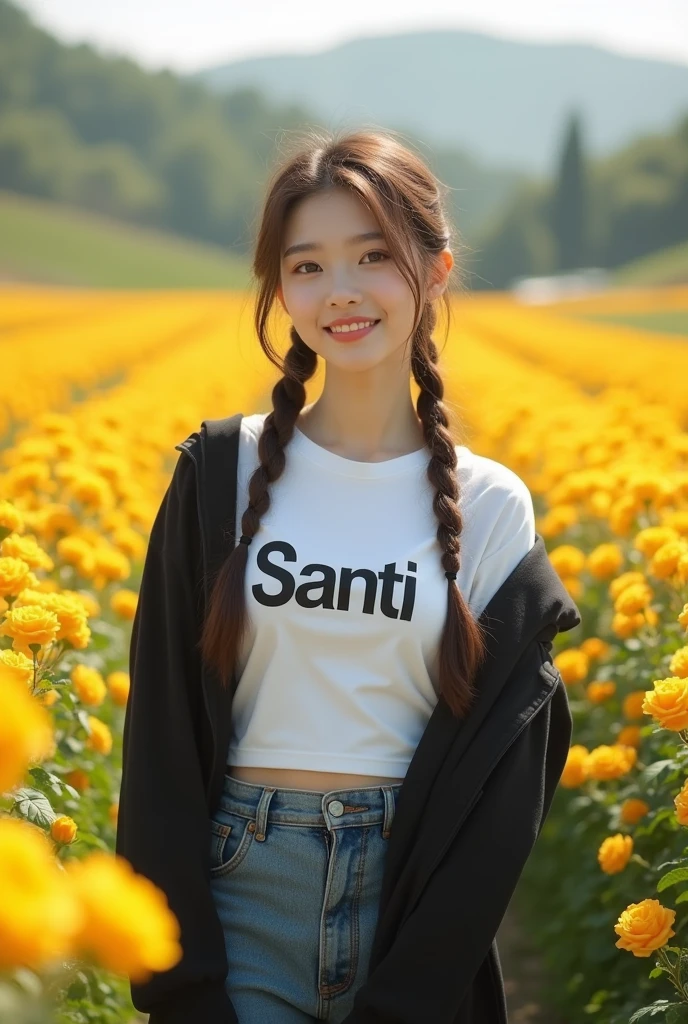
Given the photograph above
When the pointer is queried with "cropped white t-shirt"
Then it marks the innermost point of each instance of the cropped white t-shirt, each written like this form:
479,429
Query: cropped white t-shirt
346,600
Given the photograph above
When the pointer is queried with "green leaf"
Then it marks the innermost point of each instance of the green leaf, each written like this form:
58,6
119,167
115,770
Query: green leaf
660,1007
653,770
83,718
677,1013
656,972
35,806
682,897
672,877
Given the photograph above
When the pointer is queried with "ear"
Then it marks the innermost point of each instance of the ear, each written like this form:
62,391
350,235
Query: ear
443,266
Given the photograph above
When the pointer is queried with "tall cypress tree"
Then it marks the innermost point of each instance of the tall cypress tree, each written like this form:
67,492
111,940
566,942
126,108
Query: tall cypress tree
569,206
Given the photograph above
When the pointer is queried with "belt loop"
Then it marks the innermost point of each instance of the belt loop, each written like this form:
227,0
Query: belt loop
388,794
262,813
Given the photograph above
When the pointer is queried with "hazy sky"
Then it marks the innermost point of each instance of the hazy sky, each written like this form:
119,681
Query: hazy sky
190,34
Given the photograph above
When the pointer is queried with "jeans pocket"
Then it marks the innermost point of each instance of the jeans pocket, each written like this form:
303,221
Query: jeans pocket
230,840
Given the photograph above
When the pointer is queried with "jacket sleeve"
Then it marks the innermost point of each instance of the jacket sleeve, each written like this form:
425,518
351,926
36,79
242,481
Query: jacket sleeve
163,828
429,969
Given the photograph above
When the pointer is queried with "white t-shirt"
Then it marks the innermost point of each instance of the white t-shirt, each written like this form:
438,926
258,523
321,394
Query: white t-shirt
346,600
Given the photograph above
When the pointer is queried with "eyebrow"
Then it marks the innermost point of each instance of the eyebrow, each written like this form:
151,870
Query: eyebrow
314,246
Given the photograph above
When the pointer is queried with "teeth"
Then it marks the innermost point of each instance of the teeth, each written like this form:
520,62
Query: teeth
345,328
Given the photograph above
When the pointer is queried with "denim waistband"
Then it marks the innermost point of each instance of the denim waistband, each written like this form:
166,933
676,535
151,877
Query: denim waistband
367,805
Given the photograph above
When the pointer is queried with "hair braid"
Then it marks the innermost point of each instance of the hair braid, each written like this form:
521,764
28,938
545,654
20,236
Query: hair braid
288,398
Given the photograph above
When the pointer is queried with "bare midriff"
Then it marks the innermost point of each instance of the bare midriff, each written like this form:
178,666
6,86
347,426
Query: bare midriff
321,782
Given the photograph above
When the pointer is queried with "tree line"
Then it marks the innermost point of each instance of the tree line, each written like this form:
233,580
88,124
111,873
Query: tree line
161,150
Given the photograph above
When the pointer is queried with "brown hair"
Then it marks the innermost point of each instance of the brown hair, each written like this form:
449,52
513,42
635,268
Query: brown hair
403,194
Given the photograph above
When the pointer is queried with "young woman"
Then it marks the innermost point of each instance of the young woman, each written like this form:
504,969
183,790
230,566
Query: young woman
348,626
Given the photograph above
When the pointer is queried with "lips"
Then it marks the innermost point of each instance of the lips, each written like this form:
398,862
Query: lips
351,335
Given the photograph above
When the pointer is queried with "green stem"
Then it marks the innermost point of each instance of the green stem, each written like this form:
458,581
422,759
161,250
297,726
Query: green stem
674,973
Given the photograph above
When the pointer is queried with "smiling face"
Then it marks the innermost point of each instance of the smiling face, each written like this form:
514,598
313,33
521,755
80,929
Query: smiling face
341,278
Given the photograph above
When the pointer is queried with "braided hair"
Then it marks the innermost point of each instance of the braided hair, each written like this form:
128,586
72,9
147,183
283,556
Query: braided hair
404,196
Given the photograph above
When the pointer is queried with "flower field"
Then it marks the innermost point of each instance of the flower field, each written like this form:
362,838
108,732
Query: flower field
95,391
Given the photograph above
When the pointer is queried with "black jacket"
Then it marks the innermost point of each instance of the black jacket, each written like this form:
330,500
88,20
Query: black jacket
469,810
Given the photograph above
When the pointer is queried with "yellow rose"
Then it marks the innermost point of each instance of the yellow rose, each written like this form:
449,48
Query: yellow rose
128,925
595,648
633,704
633,599
683,616
10,518
89,685
18,665
574,773
629,736
678,666
39,916
614,853
15,575
668,703
119,685
632,810
666,561
26,731
28,549
573,665
78,779
567,560
100,739
681,804
30,625
644,927
607,762
600,690
123,602
651,539
605,560
63,829
625,580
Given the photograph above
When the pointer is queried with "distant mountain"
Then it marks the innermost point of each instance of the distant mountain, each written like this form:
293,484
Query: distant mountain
504,101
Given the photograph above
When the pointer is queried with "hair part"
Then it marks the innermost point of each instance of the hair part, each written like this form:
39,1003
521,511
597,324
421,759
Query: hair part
404,195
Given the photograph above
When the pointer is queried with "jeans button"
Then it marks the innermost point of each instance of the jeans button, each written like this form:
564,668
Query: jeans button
336,808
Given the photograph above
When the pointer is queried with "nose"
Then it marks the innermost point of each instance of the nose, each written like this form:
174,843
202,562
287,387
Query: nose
343,291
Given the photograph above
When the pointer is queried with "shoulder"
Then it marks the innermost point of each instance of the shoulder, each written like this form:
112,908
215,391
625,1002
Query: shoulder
489,483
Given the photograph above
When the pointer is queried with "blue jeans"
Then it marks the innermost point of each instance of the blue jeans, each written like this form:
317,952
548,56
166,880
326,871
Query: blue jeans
296,877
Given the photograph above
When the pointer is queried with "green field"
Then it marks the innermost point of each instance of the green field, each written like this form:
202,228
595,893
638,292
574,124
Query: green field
670,266
46,243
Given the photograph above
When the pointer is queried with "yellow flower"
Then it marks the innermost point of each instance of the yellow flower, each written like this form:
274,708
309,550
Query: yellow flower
666,561
118,685
48,697
607,761
39,915
633,704
624,626
123,602
15,574
668,703
100,739
626,579
18,665
28,550
600,690
681,804
652,538
77,552
605,560
26,731
595,648
629,736
573,665
63,829
683,616
111,564
89,685
30,624
630,754
10,518
632,810
633,599
644,927
614,853
128,926
678,665
567,560
78,779
574,773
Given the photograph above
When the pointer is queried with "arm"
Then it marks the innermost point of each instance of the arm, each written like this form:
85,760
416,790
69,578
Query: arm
163,828
430,968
